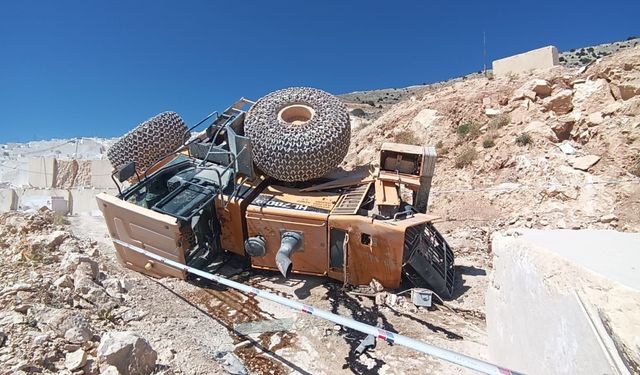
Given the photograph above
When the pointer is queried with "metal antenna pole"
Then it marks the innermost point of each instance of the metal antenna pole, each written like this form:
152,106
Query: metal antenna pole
484,52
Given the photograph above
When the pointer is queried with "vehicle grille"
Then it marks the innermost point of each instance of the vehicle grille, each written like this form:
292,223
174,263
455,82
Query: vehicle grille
429,255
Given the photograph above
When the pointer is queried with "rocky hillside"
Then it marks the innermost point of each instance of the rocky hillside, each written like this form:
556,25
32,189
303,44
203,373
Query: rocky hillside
577,57
558,148
370,104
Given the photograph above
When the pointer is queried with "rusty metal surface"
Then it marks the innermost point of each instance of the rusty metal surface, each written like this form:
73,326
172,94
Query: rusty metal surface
232,216
387,193
312,259
350,202
375,247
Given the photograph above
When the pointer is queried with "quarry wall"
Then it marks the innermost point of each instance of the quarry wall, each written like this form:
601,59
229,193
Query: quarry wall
65,186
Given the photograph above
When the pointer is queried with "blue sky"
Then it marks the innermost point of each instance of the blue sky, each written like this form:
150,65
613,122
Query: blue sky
97,68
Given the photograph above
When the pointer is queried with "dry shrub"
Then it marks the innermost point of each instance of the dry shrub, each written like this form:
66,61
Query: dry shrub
407,137
634,169
59,219
499,121
488,142
466,157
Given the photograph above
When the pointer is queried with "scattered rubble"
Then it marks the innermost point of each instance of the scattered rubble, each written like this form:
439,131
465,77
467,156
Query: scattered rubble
128,352
560,103
75,360
66,306
51,295
583,163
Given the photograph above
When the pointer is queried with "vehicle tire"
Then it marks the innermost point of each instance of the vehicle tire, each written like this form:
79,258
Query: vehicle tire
298,133
149,141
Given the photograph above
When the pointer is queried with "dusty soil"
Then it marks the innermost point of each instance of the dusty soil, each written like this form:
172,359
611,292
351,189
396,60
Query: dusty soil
201,316
479,187
190,324
486,180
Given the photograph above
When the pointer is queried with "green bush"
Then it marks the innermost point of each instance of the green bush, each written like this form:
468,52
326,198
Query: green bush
463,129
470,130
523,139
585,60
466,157
358,112
488,143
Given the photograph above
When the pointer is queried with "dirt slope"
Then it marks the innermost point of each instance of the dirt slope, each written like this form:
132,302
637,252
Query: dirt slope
500,166
536,180
488,180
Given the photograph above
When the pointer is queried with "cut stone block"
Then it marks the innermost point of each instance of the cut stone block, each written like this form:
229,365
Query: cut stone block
545,57
551,295
42,172
101,174
83,201
8,200
55,199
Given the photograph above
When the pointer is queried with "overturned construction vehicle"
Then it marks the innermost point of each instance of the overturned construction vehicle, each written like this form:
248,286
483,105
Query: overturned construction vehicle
260,181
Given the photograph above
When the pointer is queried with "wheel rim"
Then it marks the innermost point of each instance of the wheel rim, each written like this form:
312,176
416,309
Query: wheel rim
296,114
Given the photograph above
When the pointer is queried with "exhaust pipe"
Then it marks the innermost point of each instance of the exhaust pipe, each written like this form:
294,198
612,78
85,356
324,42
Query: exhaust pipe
289,243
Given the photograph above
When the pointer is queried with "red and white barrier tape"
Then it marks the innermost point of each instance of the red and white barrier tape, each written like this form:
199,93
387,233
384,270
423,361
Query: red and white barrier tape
390,337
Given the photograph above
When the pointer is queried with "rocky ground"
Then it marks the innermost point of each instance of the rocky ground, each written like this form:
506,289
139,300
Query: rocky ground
58,301
558,148
67,306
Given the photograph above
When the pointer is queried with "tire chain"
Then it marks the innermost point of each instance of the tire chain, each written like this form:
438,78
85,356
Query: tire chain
149,141
298,152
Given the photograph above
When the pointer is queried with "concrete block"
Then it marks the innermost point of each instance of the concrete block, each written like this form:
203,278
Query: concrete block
60,205
8,200
551,295
101,174
83,201
42,172
545,57
56,199
14,173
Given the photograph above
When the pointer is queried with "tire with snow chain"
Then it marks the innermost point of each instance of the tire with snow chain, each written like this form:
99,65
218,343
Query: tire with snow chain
298,133
149,141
